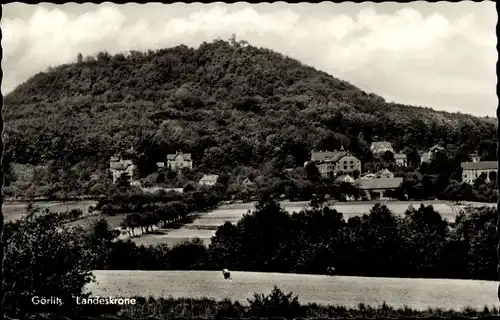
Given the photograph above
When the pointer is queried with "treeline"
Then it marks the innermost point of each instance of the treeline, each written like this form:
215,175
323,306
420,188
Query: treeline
145,210
240,111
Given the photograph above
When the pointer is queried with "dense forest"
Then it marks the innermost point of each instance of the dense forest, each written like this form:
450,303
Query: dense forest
236,108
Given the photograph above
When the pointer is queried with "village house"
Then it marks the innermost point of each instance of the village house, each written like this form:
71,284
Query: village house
427,156
177,161
331,163
208,180
473,170
118,166
377,188
401,159
247,183
381,147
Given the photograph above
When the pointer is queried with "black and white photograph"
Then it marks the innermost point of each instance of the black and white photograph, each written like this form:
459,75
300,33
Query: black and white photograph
273,160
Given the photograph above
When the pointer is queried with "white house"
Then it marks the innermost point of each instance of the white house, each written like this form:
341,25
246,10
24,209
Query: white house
401,159
473,170
179,160
381,147
208,180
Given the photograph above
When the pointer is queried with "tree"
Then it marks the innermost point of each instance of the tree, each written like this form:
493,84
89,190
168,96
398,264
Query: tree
47,259
123,182
79,58
312,171
388,156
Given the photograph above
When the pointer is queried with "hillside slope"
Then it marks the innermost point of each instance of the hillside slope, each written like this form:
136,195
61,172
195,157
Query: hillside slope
227,104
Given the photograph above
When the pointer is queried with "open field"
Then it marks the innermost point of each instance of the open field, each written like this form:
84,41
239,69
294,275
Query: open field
204,227
346,291
13,210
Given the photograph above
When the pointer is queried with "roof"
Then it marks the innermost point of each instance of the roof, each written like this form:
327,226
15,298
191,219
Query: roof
343,177
210,177
156,189
400,156
186,156
379,183
368,176
436,147
381,144
333,156
480,165
384,171
120,165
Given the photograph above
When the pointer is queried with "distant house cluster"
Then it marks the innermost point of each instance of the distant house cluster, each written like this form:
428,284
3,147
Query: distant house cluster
175,162
342,165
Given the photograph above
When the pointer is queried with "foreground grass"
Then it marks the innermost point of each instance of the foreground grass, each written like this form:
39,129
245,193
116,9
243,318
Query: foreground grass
418,294
277,306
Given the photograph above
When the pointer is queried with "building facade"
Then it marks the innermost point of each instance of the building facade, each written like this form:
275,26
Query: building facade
377,188
179,160
331,163
401,159
473,170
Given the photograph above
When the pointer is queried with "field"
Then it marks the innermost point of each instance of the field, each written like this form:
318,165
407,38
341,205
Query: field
13,210
346,291
205,225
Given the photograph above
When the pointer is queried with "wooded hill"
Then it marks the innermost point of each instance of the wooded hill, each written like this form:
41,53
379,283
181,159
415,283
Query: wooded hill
232,106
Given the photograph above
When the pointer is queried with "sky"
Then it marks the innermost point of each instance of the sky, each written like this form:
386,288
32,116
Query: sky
438,55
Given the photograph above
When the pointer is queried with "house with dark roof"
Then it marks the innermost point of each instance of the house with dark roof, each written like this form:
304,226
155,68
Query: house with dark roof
473,170
381,147
330,163
376,188
179,160
401,159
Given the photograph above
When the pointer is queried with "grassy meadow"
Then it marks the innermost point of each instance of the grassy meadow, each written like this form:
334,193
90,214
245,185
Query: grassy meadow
419,294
